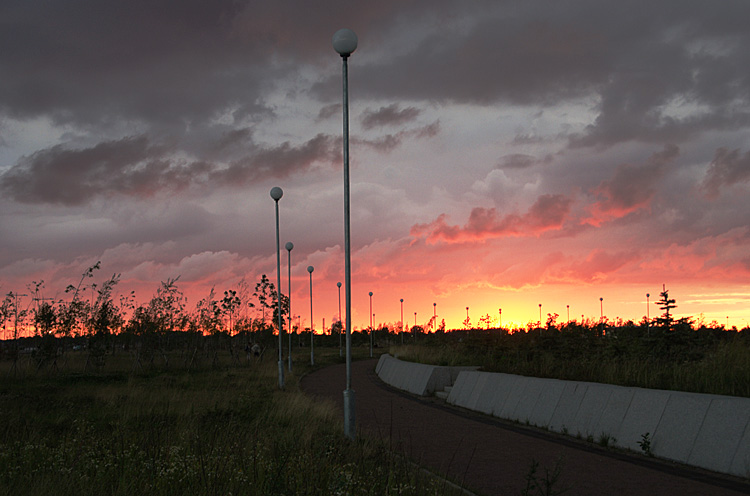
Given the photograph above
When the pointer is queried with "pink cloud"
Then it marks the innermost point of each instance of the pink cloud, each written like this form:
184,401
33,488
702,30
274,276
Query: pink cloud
547,213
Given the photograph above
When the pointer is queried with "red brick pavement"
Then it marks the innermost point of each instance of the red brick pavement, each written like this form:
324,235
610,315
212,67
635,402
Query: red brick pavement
492,457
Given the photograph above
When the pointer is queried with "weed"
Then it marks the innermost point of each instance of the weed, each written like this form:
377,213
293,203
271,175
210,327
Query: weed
605,440
645,444
547,485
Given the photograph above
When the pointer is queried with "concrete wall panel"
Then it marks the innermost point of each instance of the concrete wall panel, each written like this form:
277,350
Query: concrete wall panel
563,418
723,427
515,393
547,402
642,417
529,397
679,425
588,414
611,419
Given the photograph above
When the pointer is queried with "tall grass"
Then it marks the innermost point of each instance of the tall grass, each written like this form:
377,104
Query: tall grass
702,361
223,431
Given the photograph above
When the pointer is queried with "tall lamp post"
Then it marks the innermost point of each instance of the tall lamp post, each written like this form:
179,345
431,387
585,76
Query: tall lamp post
276,194
310,269
338,284
371,315
289,246
402,321
540,316
648,317
434,317
601,314
345,42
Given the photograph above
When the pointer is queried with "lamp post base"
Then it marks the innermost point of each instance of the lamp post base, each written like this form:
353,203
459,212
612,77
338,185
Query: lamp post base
349,419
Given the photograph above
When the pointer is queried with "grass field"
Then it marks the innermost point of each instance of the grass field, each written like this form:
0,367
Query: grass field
218,430
703,361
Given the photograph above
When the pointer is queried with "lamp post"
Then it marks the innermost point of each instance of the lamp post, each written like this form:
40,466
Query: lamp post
276,194
289,246
402,321
371,315
601,314
310,269
648,316
345,42
434,316
568,307
338,284
500,310
540,316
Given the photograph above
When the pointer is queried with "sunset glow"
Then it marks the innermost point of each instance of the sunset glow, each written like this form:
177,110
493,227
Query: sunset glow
502,158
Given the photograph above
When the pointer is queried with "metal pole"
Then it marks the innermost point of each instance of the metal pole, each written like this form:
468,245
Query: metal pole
312,331
402,321
345,42
276,194
370,324
289,246
341,353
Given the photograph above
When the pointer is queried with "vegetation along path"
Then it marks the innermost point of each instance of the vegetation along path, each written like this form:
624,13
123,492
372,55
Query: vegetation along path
492,457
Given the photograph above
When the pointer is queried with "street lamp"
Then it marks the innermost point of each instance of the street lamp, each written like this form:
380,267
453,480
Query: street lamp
289,246
648,316
310,269
434,316
568,307
276,194
601,314
402,321
345,42
540,316
338,284
500,310
371,315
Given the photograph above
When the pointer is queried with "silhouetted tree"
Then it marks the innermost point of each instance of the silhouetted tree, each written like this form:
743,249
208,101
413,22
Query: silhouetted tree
666,304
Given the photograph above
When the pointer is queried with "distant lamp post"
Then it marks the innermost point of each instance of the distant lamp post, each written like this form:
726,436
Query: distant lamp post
310,269
648,316
415,326
338,284
568,307
601,314
500,310
434,316
276,194
402,321
371,315
289,247
540,316
345,42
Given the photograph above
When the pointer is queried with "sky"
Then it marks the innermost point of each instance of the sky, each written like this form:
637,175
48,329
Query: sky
504,154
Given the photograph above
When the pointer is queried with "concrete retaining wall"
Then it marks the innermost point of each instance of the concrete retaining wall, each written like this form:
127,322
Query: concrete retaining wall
702,430
416,378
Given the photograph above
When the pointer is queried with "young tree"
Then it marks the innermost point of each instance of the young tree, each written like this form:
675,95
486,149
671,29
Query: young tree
229,305
264,291
666,304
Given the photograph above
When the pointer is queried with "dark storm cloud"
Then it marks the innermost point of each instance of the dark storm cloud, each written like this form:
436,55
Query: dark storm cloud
135,166
661,71
392,115
390,142
727,168
633,186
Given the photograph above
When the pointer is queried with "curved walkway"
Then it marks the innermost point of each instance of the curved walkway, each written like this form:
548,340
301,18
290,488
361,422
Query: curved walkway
492,457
